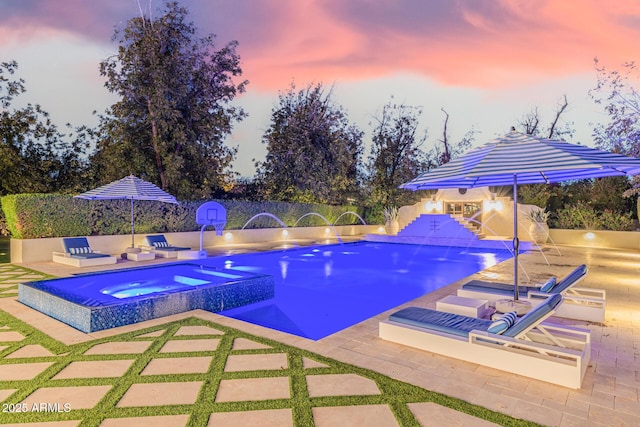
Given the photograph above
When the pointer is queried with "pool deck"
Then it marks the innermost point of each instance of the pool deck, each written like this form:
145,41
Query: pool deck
610,393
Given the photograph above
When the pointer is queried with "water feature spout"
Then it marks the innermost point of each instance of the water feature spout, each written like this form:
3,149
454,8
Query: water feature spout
267,214
325,220
352,213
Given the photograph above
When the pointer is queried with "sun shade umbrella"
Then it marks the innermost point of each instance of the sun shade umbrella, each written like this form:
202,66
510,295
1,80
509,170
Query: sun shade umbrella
517,158
132,188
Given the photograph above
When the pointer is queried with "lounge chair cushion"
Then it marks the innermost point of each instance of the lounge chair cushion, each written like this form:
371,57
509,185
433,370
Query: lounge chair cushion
548,285
90,255
440,321
533,317
495,288
503,323
160,242
570,280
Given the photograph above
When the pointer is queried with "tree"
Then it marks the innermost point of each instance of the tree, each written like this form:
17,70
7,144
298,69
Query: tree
621,100
34,157
557,129
173,114
313,152
439,156
396,156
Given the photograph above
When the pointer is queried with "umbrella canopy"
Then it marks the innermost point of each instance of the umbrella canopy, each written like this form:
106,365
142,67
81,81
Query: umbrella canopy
132,188
517,158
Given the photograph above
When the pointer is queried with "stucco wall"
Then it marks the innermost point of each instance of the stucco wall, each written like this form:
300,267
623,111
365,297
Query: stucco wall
596,238
40,250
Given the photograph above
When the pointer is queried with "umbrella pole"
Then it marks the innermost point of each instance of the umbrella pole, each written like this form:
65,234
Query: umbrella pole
516,242
132,226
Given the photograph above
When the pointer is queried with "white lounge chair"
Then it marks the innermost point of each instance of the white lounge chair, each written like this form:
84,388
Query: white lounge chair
158,244
78,253
546,352
579,303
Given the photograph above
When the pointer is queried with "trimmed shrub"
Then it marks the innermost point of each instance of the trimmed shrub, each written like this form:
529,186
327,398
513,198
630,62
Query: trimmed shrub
50,215
32,216
582,216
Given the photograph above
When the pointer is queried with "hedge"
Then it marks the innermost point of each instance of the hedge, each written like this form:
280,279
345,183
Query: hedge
31,216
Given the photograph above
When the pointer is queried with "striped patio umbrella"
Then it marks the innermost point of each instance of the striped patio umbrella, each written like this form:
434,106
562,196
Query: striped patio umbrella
132,188
517,158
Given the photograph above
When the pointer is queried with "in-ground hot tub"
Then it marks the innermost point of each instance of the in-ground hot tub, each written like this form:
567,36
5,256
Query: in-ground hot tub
97,301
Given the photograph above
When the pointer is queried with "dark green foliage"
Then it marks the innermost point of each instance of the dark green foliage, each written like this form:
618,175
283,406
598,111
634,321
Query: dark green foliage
31,216
4,228
584,216
396,156
45,215
313,152
34,156
174,110
239,212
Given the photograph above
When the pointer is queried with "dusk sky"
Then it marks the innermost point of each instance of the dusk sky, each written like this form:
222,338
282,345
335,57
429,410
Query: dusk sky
486,62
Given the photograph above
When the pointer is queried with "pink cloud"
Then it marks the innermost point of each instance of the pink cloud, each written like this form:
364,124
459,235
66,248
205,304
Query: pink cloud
466,43
475,43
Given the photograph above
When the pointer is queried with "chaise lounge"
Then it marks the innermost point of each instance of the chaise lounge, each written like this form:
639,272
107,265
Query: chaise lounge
552,353
159,245
78,253
579,303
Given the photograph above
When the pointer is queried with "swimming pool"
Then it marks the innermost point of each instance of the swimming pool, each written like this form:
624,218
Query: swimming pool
322,290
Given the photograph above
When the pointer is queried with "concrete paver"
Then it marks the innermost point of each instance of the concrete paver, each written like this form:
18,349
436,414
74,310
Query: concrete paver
78,397
31,350
10,336
354,416
255,362
70,423
95,369
156,421
179,346
22,371
245,344
197,330
266,418
432,414
177,365
124,347
6,393
309,363
253,389
162,393
340,385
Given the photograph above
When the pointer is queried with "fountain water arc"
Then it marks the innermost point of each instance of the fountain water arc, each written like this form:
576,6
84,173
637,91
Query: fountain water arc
352,213
325,220
267,214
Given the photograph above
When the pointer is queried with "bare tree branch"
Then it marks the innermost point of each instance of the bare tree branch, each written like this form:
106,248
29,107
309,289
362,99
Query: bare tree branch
559,111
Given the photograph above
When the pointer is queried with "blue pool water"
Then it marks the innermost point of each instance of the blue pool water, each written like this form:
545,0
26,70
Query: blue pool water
322,290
